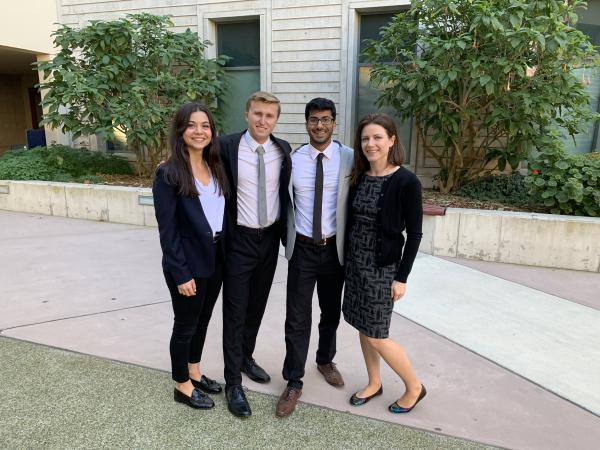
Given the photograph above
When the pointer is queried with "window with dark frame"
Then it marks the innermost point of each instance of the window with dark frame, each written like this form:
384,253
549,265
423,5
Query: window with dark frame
241,42
369,28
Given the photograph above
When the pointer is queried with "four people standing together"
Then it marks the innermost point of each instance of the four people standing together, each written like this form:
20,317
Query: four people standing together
224,204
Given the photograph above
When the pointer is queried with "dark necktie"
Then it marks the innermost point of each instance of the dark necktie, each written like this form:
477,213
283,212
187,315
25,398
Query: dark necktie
318,205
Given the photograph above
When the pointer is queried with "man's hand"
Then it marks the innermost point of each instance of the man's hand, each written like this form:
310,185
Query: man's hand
398,290
188,289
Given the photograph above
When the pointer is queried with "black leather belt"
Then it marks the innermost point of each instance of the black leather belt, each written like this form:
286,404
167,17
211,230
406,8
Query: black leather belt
256,231
309,240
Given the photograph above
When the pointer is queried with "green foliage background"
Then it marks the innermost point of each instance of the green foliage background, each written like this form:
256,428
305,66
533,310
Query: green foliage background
128,75
508,189
60,163
484,79
565,183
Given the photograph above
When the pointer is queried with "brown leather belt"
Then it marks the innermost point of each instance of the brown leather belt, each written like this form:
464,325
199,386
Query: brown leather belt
309,240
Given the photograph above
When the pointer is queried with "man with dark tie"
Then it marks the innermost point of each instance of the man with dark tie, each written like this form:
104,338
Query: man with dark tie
316,219
258,166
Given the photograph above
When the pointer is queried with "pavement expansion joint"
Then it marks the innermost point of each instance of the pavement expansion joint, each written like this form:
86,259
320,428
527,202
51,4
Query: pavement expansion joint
514,326
92,314
72,235
71,382
499,365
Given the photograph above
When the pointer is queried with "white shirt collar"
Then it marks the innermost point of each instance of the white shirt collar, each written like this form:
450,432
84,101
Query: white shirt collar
328,152
253,144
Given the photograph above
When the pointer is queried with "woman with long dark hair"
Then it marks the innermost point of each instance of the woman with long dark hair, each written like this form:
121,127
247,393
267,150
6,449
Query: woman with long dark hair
189,191
385,200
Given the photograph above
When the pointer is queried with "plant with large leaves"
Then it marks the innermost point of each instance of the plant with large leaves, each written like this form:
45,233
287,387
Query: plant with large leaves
484,79
129,76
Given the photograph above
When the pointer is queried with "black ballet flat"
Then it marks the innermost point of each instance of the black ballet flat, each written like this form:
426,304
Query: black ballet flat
397,409
198,399
358,401
207,385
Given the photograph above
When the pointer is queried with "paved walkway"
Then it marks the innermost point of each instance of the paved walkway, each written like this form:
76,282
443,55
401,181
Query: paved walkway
505,363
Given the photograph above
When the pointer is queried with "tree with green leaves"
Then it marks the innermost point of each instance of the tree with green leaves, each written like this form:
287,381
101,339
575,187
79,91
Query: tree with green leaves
129,76
484,79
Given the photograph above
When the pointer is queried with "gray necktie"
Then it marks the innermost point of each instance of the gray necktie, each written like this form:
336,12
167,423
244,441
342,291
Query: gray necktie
262,188
318,205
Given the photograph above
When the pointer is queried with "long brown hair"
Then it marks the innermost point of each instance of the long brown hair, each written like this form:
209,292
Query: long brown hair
178,170
361,163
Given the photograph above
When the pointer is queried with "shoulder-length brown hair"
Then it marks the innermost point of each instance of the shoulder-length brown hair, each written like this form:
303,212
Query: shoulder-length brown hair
178,170
396,154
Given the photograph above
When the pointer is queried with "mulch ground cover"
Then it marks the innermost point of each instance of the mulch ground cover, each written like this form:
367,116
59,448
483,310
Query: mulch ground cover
430,196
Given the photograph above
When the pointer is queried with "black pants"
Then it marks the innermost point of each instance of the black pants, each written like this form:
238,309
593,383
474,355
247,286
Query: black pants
192,315
310,265
251,263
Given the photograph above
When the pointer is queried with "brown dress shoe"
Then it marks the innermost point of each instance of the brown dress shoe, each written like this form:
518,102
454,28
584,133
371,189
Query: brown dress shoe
287,401
331,374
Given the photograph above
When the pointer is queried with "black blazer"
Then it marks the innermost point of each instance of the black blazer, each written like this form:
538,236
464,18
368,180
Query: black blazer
186,238
229,155
399,208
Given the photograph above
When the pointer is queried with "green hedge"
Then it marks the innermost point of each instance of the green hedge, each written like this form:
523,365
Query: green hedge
60,163
565,183
508,189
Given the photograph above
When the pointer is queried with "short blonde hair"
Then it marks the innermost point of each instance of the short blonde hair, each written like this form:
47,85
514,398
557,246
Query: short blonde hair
265,97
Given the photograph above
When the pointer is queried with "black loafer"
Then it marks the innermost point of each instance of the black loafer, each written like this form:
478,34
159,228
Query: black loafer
198,400
255,372
358,401
207,385
236,401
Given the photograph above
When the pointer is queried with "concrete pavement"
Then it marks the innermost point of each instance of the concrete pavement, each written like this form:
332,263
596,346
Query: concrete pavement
504,363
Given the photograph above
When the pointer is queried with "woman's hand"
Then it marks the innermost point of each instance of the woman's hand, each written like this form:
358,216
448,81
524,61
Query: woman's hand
188,289
398,290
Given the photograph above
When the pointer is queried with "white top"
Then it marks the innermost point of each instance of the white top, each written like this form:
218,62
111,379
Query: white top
213,204
304,171
247,191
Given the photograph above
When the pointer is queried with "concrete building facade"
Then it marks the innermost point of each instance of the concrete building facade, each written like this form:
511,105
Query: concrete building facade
297,49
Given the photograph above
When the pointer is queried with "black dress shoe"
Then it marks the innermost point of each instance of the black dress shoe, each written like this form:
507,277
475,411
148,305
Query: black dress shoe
255,372
358,401
207,385
197,400
236,401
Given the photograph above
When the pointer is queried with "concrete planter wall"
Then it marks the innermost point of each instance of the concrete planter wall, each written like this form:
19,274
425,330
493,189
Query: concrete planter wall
547,240
522,238
80,201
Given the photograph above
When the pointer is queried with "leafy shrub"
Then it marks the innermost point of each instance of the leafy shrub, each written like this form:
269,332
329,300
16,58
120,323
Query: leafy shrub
567,184
128,75
59,163
509,189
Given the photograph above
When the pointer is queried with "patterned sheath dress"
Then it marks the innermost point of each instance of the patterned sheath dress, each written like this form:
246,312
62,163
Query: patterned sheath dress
367,296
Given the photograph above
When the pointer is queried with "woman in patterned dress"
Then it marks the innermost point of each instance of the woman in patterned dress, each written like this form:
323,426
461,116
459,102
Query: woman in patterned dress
385,200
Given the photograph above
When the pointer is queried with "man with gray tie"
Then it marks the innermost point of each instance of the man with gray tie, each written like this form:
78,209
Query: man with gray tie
316,219
258,167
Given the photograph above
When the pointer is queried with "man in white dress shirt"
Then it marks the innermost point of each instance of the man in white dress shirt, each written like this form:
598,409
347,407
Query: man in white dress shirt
258,167
315,249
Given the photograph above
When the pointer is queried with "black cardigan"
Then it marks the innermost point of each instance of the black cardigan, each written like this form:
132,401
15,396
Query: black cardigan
399,207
